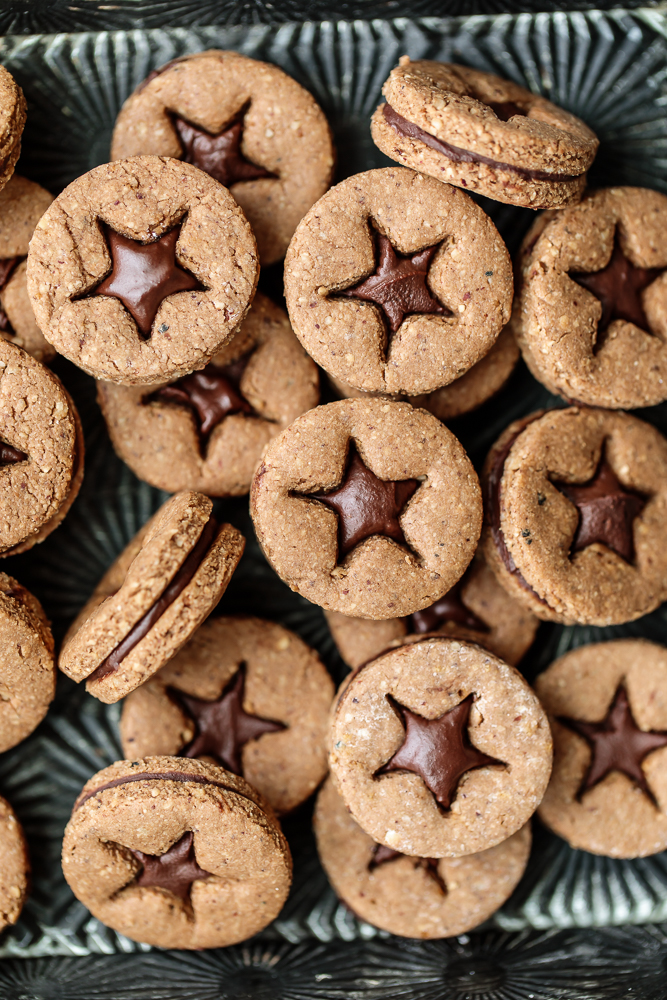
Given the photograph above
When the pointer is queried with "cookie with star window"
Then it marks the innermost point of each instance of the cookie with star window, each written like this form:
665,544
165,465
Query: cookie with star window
439,749
245,693
176,853
207,430
591,308
607,704
396,283
411,896
247,124
142,270
575,507
367,507
12,121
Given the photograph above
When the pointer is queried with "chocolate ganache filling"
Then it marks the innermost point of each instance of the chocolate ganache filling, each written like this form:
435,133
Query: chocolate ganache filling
178,584
409,130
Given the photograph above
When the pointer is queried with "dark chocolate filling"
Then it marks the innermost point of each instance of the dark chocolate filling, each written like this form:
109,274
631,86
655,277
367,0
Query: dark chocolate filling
180,581
409,130
154,776
9,455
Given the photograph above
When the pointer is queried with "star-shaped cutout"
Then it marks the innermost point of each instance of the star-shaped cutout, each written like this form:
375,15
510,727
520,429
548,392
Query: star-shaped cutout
607,511
223,725
366,505
10,456
618,286
398,284
382,855
218,155
617,744
211,394
449,608
144,274
506,110
174,870
438,750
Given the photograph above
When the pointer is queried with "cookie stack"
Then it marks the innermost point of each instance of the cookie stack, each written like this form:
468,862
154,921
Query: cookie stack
144,273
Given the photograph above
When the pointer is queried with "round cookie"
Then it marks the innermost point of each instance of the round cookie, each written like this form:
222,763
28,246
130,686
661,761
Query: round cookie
152,598
576,502
27,668
439,749
607,704
466,393
249,695
410,896
41,451
367,507
12,121
396,283
176,853
483,133
22,204
592,314
477,608
208,430
14,866
141,270
246,123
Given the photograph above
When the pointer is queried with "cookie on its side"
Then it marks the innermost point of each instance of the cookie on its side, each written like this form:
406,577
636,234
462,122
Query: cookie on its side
12,121
14,866
152,598
483,133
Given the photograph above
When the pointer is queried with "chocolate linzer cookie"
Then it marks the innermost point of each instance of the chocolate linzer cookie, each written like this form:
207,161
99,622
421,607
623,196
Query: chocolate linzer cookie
41,451
576,503
142,270
396,283
247,124
590,318
27,668
12,120
152,598
477,608
439,749
249,695
367,507
411,896
483,133
207,431
14,866
176,853
607,704
22,204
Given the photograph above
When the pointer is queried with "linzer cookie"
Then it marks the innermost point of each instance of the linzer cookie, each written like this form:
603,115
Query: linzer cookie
176,853
249,695
607,705
576,502
41,451
477,608
411,896
396,283
22,204
367,507
591,314
439,749
247,124
142,270
12,120
483,133
207,431
152,598
14,866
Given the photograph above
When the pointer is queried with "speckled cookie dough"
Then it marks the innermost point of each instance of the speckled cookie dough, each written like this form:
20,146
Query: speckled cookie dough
247,694
397,283
12,120
152,598
14,866
41,451
142,270
367,507
483,133
439,749
248,124
591,317
410,896
576,503
176,853
607,704
208,430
